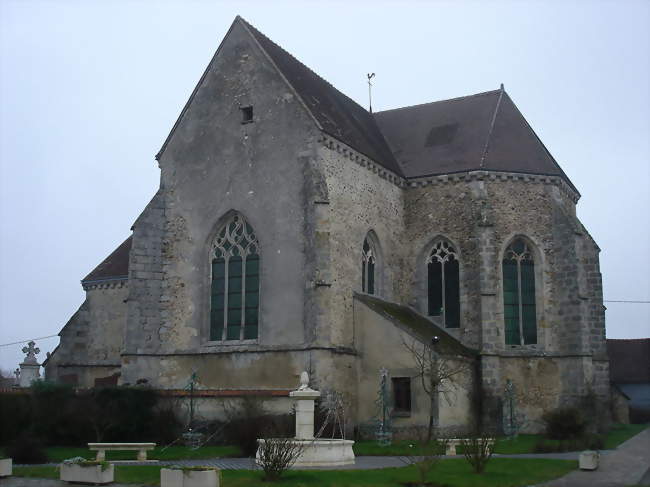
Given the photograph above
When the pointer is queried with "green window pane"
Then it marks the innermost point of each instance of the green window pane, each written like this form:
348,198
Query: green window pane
452,294
250,332
435,288
511,302
529,324
217,299
235,282
371,278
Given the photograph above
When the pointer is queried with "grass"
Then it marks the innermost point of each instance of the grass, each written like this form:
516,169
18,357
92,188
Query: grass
522,444
622,432
500,472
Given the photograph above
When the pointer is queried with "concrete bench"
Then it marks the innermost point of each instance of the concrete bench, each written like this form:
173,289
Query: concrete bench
454,442
102,447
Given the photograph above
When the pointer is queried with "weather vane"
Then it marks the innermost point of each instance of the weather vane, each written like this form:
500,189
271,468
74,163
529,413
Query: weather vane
370,76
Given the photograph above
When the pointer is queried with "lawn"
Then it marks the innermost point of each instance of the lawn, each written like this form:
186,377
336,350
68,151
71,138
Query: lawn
522,444
500,472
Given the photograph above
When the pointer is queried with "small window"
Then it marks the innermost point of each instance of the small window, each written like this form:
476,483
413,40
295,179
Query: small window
401,394
247,114
368,267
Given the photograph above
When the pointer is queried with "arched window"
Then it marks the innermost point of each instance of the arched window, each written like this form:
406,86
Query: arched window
519,294
235,289
444,284
368,261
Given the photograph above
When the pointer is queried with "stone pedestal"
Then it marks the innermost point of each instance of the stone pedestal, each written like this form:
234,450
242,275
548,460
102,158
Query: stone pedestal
28,374
313,452
305,412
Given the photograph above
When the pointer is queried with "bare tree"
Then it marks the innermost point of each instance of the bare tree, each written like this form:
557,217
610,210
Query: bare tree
437,373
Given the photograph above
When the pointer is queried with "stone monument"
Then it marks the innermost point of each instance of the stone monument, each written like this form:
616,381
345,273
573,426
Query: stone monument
314,452
29,368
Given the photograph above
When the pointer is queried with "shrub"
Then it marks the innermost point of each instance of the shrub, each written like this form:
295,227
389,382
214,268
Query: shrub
478,450
564,423
276,455
27,449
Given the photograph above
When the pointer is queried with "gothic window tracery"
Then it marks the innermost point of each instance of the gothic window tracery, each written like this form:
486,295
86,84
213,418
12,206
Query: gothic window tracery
368,261
519,294
235,289
443,284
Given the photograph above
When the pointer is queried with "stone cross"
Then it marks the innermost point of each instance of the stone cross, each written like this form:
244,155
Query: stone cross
31,352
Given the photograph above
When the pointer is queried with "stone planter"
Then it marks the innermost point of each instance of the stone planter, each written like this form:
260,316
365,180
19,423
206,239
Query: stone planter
88,474
589,460
5,467
178,477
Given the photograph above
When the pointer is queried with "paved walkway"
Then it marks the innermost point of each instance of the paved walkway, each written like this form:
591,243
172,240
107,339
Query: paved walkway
628,465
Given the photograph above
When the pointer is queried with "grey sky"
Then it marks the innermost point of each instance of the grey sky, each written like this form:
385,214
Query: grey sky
90,90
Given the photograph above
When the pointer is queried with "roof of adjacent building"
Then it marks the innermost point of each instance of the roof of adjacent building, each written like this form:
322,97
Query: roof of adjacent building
629,360
115,266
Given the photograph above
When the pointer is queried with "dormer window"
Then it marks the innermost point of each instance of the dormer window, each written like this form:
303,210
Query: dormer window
247,114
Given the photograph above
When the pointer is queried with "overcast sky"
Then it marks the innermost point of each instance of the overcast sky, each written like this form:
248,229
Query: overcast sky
90,90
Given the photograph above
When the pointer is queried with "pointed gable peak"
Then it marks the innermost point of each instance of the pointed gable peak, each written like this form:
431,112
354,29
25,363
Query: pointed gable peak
333,112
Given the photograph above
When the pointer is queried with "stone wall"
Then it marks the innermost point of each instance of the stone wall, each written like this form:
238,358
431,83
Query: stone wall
359,201
92,340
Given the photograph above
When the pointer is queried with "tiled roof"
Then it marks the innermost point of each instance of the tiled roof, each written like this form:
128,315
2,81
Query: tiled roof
485,132
629,360
115,266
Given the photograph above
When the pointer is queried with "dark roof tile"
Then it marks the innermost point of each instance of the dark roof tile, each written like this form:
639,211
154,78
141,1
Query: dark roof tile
115,266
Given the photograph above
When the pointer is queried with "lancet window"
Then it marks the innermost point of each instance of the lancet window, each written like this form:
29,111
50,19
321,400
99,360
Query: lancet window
444,284
235,290
519,294
368,262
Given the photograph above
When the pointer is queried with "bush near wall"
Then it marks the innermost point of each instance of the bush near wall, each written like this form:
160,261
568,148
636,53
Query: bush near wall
59,415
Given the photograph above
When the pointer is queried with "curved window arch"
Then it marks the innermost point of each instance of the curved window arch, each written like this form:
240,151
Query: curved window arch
519,310
443,283
235,288
368,266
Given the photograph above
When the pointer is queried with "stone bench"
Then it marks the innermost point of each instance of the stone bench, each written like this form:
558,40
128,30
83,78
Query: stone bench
102,447
452,443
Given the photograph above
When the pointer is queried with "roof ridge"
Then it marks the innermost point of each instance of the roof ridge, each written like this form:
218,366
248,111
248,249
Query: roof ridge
248,24
483,93
491,129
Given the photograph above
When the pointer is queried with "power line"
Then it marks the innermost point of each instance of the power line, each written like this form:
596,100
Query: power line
28,340
624,301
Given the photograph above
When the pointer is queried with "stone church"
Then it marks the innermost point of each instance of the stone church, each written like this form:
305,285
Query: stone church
295,230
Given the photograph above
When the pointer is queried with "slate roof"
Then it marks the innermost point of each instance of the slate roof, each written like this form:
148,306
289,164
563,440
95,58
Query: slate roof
416,323
629,360
115,266
337,114
485,132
